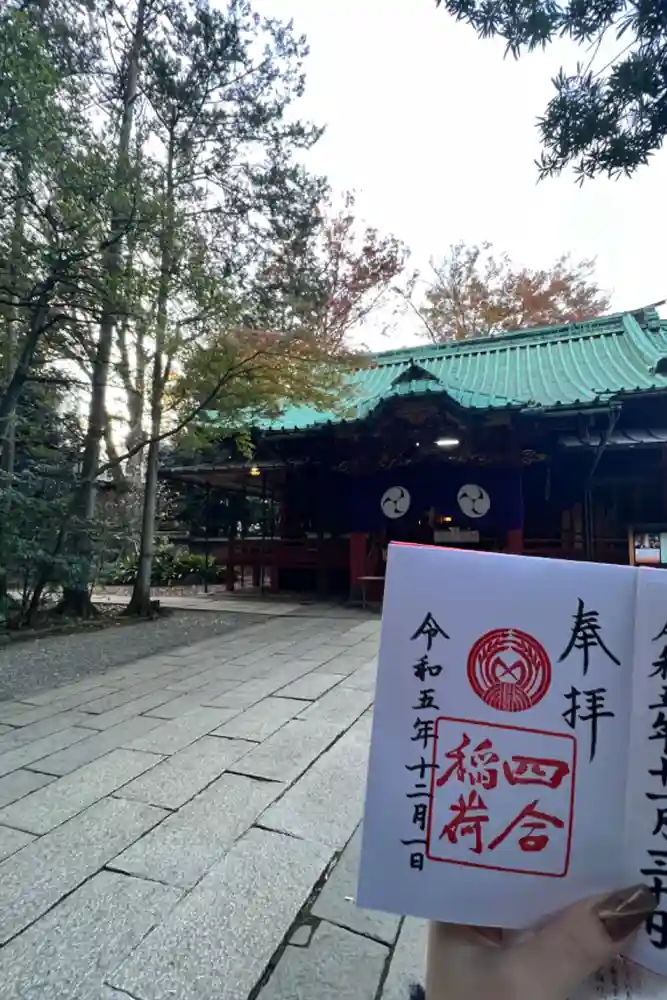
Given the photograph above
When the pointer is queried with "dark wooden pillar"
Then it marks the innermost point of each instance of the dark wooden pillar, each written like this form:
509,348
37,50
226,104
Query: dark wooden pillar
274,571
514,538
231,563
321,571
358,562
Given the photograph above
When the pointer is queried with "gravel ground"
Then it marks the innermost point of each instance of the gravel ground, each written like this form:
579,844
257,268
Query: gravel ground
39,664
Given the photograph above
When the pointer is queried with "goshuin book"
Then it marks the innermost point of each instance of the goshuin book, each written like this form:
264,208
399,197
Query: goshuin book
519,752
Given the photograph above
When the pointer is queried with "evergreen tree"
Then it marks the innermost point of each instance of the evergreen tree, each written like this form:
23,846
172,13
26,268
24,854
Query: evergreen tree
609,114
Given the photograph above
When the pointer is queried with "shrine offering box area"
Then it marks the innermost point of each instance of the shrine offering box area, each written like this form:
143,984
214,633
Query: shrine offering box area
519,751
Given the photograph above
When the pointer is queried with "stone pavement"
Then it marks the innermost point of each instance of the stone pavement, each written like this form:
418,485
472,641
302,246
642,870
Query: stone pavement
206,602
188,827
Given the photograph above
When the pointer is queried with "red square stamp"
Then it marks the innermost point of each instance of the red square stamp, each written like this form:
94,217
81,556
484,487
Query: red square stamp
501,797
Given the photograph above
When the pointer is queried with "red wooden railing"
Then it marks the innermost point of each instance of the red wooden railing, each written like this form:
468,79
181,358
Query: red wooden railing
274,554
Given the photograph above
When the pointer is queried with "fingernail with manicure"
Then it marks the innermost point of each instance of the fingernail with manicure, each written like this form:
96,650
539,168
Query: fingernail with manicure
625,911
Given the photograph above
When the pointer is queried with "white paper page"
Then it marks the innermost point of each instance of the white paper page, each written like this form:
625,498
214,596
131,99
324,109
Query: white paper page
646,831
530,644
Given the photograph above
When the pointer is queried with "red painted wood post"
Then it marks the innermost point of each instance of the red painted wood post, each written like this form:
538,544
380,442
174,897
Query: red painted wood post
514,543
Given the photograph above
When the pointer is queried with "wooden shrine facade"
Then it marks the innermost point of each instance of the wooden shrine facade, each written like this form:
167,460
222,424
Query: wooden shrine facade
549,443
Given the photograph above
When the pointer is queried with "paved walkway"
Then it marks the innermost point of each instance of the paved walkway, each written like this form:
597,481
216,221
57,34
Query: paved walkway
186,827
206,602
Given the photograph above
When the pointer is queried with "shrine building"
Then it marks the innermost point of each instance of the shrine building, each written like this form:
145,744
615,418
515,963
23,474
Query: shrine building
548,442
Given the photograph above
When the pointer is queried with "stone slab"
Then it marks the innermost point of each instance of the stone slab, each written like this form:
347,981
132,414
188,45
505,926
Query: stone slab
319,652
20,714
247,694
219,939
172,783
48,807
150,678
15,785
117,698
173,736
28,753
66,954
348,637
34,879
185,703
129,709
364,678
181,705
195,680
256,654
81,698
186,845
12,841
4,730
336,965
61,699
69,690
218,685
336,901
310,687
327,803
341,707
286,754
261,720
56,722
98,743
408,961
342,666
366,629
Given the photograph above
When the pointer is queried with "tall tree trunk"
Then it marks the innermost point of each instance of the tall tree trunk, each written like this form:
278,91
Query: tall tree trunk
11,339
134,383
12,315
136,405
76,597
133,374
140,602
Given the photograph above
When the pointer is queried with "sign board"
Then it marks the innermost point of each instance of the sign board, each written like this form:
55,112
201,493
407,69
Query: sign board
455,536
648,546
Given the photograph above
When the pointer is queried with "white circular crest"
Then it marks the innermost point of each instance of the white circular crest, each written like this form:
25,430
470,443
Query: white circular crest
473,500
395,502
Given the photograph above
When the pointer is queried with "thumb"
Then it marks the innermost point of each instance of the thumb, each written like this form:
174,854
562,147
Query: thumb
577,942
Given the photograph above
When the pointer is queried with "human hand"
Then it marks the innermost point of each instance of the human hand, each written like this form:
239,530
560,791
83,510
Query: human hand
468,963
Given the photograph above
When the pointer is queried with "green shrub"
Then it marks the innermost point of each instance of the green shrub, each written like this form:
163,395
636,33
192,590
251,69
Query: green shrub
170,565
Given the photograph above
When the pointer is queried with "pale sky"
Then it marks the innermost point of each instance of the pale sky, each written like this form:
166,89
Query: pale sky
435,131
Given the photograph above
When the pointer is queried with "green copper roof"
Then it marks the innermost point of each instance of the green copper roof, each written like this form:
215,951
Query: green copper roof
581,364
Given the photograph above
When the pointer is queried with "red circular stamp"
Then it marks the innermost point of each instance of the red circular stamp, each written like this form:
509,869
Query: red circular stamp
509,670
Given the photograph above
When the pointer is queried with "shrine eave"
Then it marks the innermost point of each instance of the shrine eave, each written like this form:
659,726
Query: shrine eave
577,366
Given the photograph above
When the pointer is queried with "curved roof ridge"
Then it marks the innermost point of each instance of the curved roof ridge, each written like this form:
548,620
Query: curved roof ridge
500,341
571,365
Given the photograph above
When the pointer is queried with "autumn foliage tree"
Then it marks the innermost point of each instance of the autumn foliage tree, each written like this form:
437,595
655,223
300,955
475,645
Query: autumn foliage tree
328,281
317,285
475,291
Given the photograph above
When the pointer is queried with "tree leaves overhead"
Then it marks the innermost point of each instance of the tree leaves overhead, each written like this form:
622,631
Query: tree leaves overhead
609,114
